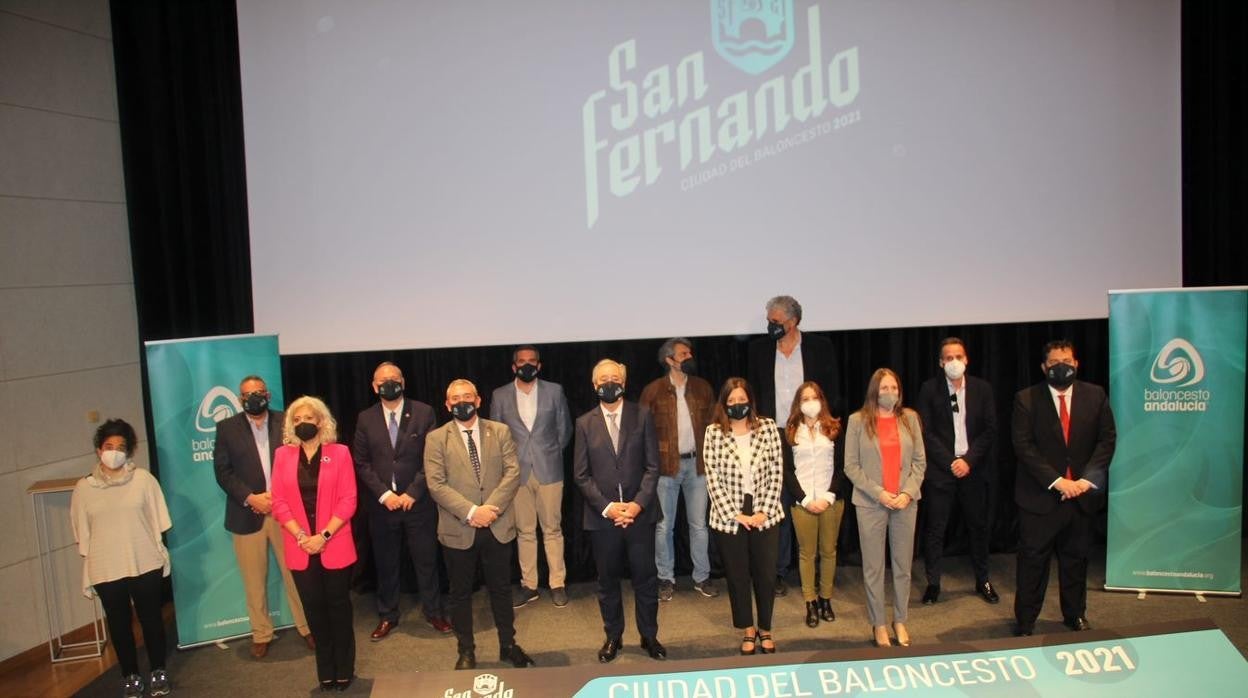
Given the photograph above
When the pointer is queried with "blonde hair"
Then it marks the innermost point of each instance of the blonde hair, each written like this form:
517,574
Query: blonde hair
329,426
609,363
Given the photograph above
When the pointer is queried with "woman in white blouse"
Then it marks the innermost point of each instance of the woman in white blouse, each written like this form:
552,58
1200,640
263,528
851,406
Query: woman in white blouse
743,480
811,479
118,513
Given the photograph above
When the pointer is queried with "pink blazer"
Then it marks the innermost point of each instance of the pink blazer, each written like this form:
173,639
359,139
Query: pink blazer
335,496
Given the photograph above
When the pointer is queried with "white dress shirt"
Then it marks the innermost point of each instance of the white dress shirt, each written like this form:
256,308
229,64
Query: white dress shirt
960,443
261,433
813,464
526,405
790,375
685,441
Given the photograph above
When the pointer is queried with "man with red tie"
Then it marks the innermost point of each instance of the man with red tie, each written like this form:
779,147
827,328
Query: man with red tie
1063,432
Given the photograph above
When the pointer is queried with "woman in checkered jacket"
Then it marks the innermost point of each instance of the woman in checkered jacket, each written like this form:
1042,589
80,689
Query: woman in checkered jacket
744,475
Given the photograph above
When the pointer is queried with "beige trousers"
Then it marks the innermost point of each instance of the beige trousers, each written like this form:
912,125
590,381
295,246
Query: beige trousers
252,551
536,503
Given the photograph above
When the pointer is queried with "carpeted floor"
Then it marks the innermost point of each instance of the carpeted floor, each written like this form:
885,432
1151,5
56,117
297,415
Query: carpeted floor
690,626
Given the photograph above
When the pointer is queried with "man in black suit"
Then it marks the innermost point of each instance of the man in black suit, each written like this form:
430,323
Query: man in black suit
389,454
959,417
616,466
778,364
243,460
1064,439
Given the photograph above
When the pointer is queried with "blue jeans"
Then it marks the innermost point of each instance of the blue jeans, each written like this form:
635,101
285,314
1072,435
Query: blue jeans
693,486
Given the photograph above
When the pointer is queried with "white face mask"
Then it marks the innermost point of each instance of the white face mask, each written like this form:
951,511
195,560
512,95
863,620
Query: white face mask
113,460
955,369
811,408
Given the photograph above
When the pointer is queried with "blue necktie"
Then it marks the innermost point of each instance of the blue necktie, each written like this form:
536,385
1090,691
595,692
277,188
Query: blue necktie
394,429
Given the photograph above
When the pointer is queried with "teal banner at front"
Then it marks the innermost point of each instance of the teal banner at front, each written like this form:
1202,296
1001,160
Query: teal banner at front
193,385
1176,362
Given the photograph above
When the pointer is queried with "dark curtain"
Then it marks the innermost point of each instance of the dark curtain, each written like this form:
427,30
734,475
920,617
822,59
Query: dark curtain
182,141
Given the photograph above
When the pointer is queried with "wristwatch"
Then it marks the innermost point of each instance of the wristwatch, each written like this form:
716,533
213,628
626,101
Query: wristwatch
326,534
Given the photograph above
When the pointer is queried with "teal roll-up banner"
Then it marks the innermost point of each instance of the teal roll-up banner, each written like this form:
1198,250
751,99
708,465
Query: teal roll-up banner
1176,362
193,386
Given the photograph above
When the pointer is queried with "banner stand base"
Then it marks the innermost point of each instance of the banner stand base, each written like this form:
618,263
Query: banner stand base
1198,593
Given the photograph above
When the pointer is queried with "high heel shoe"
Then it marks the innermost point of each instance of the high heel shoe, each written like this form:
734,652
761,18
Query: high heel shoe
825,610
903,637
881,637
765,637
812,614
752,641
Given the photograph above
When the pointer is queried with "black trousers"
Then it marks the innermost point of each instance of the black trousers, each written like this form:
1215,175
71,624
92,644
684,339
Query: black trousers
1067,532
784,549
971,496
419,527
750,567
461,566
620,552
116,597
326,597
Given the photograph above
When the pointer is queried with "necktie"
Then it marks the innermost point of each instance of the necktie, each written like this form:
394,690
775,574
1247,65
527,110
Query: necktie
473,455
614,430
1064,415
394,440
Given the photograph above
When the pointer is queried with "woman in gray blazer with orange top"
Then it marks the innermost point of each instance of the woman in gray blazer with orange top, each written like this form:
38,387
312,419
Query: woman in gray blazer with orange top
885,459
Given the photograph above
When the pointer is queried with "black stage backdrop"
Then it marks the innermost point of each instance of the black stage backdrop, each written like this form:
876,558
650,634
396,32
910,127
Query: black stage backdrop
180,112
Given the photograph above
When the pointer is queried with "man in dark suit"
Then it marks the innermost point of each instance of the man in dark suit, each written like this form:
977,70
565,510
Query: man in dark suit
778,364
616,466
389,453
243,460
537,413
471,468
1064,438
959,417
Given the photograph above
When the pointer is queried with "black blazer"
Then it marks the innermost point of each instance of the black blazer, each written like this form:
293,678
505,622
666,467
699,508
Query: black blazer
981,429
238,468
601,474
818,364
1043,454
376,461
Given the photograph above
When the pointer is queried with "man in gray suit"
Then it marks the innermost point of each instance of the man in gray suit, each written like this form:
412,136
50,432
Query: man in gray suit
472,473
537,413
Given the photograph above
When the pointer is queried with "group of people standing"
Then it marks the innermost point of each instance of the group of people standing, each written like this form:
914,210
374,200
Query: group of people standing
763,460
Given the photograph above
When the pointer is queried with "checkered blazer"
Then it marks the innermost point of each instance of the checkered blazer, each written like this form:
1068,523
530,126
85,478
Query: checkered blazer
724,480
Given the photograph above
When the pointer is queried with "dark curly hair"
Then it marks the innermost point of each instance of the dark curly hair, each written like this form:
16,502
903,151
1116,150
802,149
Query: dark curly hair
116,427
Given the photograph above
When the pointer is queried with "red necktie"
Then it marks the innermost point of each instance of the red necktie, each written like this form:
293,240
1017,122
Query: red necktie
1064,415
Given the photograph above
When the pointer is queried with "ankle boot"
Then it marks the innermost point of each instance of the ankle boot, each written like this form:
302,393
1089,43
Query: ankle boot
825,610
812,614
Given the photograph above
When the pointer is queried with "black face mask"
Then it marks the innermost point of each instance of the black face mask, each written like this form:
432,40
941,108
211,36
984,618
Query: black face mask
610,393
306,431
527,372
390,390
1060,376
255,404
689,367
738,411
775,330
463,411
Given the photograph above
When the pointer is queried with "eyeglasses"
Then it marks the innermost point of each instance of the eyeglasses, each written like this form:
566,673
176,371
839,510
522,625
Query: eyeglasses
953,402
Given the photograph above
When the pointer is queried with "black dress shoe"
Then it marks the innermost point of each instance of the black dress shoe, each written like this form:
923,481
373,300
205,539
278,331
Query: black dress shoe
1021,630
467,660
516,655
931,594
825,610
1077,623
609,649
812,614
654,648
781,587
987,593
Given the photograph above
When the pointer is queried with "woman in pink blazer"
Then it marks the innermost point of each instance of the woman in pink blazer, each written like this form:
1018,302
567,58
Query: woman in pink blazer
313,500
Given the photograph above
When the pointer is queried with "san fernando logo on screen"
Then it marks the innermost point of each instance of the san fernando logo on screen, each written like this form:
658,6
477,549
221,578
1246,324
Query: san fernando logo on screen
1177,369
483,686
217,404
752,35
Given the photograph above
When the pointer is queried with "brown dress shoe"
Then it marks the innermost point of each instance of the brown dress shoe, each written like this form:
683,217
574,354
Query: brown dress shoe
310,641
383,629
259,649
441,625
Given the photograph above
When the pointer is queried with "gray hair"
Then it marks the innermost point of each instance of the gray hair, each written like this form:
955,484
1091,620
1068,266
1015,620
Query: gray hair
787,304
668,350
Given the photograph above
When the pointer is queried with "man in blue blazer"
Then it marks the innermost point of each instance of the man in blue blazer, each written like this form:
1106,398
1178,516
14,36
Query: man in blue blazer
616,467
536,411
1064,438
959,417
389,453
